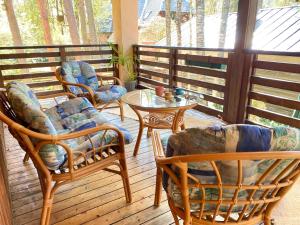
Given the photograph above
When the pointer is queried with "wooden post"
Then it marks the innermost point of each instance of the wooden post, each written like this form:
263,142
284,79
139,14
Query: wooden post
62,52
245,88
245,26
115,67
1,78
172,67
136,59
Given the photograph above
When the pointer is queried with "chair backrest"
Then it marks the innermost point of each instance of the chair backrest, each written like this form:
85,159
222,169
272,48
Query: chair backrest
215,172
6,109
230,202
80,73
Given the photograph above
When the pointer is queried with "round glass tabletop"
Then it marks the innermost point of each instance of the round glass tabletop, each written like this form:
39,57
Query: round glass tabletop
147,99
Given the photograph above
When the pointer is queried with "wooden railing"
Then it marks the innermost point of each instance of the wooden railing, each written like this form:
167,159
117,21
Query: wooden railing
35,65
274,89
197,70
270,85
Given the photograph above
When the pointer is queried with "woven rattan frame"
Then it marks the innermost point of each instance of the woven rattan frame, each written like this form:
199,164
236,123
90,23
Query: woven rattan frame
98,158
90,94
261,208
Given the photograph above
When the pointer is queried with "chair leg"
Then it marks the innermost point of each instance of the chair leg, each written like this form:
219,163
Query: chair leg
182,126
158,187
149,132
47,207
121,110
125,179
26,158
174,215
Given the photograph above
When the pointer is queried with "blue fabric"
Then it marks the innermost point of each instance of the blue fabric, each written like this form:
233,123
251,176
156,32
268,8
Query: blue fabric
253,138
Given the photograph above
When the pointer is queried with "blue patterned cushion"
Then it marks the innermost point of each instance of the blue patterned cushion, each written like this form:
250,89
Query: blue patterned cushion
221,139
80,73
109,93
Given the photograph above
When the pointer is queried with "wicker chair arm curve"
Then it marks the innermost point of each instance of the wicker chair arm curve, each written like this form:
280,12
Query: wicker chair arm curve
230,157
90,90
117,80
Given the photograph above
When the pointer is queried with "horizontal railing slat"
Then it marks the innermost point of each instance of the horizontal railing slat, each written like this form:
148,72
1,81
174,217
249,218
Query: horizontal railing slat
109,69
186,48
274,116
202,71
98,52
154,73
292,104
97,61
28,76
51,46
155,64
153,82
276,66
199,83
31,65
156,54
200,58
44,84
275,83
29,55
49,92
208,110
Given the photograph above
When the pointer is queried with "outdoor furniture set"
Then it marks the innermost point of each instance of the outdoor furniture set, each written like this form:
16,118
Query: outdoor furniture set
233,174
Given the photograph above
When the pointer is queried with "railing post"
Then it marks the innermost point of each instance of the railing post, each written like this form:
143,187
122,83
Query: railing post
172,67
115,67
62,53
245,26
1,78
136,63
245,87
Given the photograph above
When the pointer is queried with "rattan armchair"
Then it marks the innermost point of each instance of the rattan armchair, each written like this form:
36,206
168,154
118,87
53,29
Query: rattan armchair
90,93
77,165
262,195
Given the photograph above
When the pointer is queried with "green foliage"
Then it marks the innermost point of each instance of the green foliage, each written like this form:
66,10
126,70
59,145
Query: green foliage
124,60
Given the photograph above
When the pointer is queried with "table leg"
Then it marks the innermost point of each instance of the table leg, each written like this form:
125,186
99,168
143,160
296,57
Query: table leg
175,126
139,137
149,132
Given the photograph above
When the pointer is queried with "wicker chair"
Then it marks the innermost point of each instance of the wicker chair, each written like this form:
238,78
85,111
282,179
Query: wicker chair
77,164
80,79
227,206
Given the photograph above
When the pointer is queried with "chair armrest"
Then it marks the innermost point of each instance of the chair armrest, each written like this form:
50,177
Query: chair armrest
89,90
116,80
157,146
71,154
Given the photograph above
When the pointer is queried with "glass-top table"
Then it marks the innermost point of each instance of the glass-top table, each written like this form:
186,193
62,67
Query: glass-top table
161,113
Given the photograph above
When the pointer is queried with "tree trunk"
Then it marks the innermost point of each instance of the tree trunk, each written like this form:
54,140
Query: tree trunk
178,21
223,24
69,11
91,22
13,24
82,18
42,4
200,15
168,22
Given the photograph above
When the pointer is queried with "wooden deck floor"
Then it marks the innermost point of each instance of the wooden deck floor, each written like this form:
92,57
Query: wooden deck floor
99,199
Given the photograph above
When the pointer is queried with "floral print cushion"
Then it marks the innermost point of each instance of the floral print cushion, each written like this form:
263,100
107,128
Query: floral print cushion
230,138
80,73
108,93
